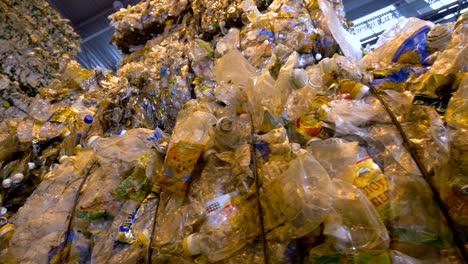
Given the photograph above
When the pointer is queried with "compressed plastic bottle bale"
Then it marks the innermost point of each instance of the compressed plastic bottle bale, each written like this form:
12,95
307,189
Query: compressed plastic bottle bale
292,23
402,47
137,24
55,210
215,15
220,15
175,220
127,238
161,81
425,129
407,180
36,40
106,202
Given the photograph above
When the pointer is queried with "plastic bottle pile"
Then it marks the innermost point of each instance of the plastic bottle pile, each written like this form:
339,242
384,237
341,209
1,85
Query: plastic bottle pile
258,144
158,84
47,131
35,44
137,24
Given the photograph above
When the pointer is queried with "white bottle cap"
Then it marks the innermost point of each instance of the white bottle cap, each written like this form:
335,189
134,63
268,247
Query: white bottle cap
362,92
31,165
92,140
6,183
63,158
18,177
3,211
318,56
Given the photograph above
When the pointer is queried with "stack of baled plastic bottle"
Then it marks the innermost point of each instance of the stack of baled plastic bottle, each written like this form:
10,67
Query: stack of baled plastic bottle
245,132
35,44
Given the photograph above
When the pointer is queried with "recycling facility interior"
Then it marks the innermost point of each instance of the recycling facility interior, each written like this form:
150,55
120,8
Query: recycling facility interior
233,131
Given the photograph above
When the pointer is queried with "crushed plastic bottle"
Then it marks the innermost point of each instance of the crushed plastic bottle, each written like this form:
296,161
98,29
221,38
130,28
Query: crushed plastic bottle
186,145
451,60
357,229
226,231
302,205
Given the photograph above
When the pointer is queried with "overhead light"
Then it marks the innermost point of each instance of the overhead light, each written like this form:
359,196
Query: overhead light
117,5
449,16
374,14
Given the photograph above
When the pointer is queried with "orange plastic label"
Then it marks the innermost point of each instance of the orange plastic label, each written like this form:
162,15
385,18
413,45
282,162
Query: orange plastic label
178,166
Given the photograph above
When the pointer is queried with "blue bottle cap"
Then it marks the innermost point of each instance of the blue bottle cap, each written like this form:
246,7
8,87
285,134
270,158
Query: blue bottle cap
55,139
264,149
88,119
